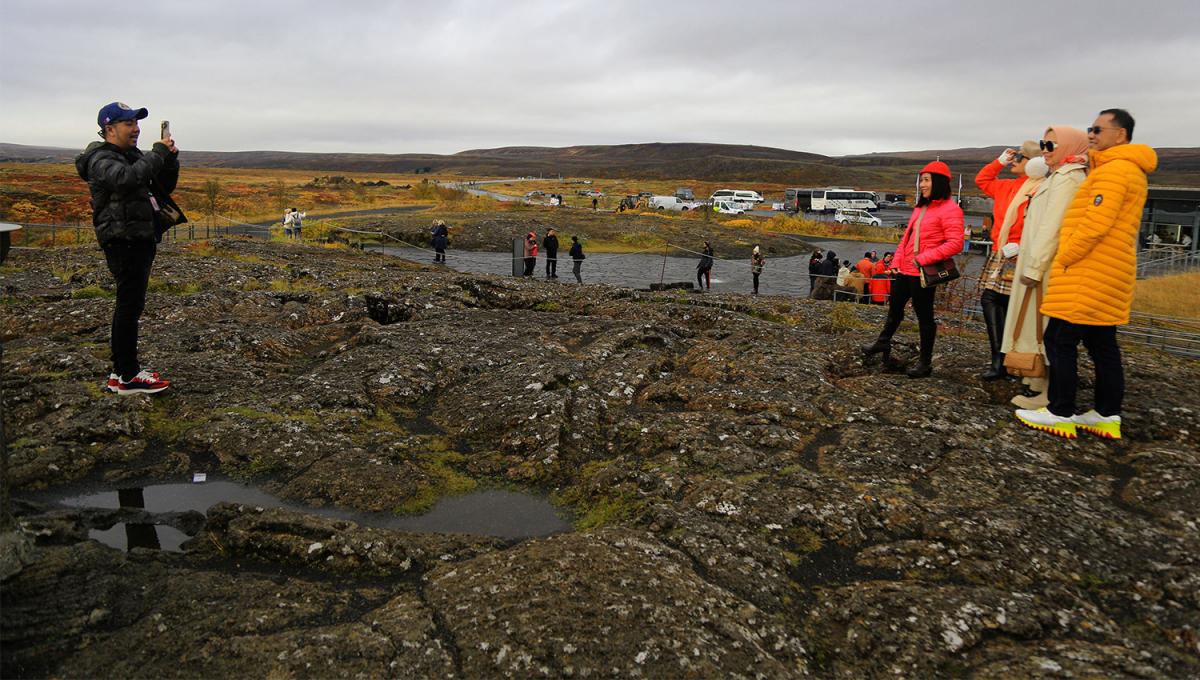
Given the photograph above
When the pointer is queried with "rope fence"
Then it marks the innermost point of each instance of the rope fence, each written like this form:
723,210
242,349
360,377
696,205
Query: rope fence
958,300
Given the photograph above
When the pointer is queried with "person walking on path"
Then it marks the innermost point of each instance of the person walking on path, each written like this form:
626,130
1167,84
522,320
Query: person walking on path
441,239
1092,277
704,269
530,253
129,193
550,244
934,233
577,258
814,270
1067,161
288,221
1010,199
297,223
757,262
595,204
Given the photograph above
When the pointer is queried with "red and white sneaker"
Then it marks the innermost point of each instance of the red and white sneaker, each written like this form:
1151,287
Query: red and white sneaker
143,383
114,381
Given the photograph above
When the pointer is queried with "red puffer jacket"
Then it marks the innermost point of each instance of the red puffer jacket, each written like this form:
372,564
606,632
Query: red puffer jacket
941,236
1002,192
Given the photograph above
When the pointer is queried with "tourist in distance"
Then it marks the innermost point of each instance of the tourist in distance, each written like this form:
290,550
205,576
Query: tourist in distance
865,265
550,244
934,233
577,258
814,270
130,191
1010,200
287,223
757,262
530,253
858,283
297,223
826,277
1066,157
843,272
1090,291
882,265
704,268
441,239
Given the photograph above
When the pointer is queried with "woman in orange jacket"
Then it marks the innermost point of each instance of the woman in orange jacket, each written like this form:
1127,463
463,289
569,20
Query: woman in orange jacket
1010,198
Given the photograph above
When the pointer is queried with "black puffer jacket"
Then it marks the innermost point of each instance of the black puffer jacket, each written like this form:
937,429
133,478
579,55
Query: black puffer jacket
120,182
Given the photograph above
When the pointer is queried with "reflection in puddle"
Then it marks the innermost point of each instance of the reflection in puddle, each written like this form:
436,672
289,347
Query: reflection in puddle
493,512
127,536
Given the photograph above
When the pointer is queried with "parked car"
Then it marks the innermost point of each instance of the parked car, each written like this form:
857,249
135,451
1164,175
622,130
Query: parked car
593,193
844,216
728,207
685,194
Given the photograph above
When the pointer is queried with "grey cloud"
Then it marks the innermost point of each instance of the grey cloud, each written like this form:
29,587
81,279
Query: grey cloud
833,78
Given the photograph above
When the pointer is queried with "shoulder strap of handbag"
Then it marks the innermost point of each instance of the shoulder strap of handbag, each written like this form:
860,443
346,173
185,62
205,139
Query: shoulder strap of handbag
1037,314
917,232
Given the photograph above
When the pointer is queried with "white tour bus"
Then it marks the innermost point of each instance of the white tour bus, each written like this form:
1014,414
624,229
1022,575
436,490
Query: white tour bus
738,195
831,199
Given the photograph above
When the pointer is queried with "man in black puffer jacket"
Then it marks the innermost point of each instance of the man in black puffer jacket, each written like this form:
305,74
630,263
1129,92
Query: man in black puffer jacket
130,191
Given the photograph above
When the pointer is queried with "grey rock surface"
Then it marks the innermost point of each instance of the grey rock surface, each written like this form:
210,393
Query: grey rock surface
751,499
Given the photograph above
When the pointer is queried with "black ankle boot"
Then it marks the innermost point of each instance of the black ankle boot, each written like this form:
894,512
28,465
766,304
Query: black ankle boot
920,370
996,371
876,347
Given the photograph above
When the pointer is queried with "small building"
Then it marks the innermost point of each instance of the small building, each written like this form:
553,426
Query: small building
1171,220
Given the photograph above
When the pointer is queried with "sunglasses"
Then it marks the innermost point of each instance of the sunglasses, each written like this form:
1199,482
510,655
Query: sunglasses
1046,146
1019,157
1095,129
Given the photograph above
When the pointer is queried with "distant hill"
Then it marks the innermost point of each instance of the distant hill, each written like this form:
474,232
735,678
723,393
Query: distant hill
712,162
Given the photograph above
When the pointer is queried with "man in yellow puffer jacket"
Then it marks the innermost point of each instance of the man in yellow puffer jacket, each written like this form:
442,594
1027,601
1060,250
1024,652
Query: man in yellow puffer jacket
1091,281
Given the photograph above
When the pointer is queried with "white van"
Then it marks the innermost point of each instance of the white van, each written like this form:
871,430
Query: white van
728,207
666,203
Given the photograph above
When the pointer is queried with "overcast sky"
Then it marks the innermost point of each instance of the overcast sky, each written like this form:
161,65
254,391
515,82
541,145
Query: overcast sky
441,76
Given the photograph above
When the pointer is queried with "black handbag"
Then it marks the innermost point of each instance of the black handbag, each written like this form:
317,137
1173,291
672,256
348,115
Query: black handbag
933,273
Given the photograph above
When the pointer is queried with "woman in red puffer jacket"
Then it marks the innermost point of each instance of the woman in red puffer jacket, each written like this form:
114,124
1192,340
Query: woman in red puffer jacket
934,233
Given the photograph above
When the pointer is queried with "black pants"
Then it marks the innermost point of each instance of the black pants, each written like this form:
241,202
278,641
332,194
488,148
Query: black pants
552,265
439,255
530,263
1062,351
703,276
129,262
575,270
905,288
756,275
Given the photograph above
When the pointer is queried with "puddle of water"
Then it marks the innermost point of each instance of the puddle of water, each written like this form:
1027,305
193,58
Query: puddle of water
126,536
490,512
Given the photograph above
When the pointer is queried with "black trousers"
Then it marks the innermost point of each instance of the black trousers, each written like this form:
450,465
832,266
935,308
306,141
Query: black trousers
905,288
703,276
575,270
551,265
129,262
1062,340
756,275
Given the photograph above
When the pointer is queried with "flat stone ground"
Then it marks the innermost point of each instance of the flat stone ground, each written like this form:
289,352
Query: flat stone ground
752,500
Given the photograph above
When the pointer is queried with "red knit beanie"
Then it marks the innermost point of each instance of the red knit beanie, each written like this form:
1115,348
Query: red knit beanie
937,168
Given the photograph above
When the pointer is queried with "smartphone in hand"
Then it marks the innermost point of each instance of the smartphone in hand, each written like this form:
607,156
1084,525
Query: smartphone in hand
166,129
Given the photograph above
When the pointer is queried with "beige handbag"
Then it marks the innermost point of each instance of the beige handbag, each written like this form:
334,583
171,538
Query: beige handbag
1027,364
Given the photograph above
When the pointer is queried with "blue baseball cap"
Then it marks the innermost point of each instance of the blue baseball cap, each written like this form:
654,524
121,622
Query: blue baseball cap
119,111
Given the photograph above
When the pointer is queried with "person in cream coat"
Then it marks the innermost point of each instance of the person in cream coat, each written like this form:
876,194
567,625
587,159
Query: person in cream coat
1065,152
